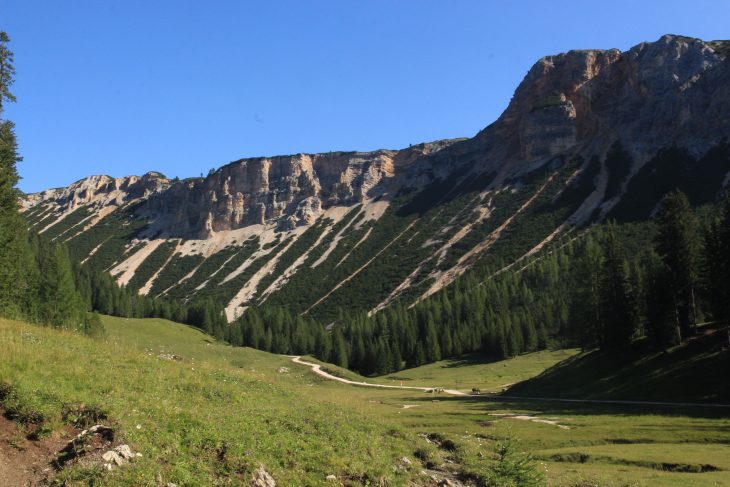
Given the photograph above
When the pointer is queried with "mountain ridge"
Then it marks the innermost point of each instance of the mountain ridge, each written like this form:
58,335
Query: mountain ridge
581,129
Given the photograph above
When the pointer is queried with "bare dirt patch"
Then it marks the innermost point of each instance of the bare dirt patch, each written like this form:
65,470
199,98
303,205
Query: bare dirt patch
25,462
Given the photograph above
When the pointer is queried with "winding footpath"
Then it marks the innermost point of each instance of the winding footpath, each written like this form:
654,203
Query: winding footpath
317,369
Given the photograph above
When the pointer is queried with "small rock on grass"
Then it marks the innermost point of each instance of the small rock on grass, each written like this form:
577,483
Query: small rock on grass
262,478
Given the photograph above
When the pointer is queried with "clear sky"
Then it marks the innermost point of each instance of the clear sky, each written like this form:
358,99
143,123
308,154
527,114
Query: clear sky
128,86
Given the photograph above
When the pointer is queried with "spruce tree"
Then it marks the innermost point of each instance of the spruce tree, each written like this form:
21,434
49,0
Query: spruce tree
618,306
59,303
16,262
716,262
662,327
339,348
584,318
677,245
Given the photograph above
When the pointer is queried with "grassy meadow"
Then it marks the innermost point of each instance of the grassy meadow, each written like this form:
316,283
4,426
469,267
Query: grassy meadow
214,416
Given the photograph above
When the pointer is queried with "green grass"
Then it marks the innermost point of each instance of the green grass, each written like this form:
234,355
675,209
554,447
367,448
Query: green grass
686,373
474,372
217,414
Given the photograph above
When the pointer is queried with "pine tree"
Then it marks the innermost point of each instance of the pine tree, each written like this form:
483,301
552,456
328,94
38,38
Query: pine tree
16,261
661,322
339,348
586,298
618,306
716,262
59,303
676,244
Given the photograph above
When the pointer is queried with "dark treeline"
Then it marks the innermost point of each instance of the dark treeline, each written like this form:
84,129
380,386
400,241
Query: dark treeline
602,287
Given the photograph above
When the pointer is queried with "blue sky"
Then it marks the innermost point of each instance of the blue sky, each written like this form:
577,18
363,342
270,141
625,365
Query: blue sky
125,87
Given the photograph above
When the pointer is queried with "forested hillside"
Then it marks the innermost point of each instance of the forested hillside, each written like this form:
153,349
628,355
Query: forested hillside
552,226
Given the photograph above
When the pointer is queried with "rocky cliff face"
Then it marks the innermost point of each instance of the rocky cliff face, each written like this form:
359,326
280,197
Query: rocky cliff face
675,91
672,92
99,191
286,190
323,225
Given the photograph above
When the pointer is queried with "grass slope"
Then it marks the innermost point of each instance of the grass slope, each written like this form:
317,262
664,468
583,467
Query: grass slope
217,414
220,412
692,372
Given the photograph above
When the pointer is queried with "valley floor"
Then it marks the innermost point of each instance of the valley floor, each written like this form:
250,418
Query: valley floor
202,413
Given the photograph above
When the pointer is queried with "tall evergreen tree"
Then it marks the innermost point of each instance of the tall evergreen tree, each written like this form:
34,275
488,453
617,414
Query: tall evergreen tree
586,298
16,262
716,262
58,302
618,305
662,327
677,245
339,348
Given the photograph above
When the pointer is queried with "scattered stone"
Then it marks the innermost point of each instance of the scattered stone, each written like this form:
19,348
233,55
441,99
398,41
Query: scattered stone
88,440
112,457
406,461
170,356
118,456
125,452
262,478
331,478
283,370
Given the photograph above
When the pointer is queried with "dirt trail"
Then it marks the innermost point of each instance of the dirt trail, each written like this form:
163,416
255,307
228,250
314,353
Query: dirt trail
317,369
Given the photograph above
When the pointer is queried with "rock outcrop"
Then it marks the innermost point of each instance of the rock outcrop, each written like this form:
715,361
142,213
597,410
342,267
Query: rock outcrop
285,190
672,92
99,191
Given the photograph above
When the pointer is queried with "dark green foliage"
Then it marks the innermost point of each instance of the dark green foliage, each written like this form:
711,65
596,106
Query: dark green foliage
617,311
174,272
618,164
673,169
339,348
677,244
108,239
513,468
217,263
59,304
662,326
716,262
586,298
67,227
301,245
7,70
151,264
16,261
